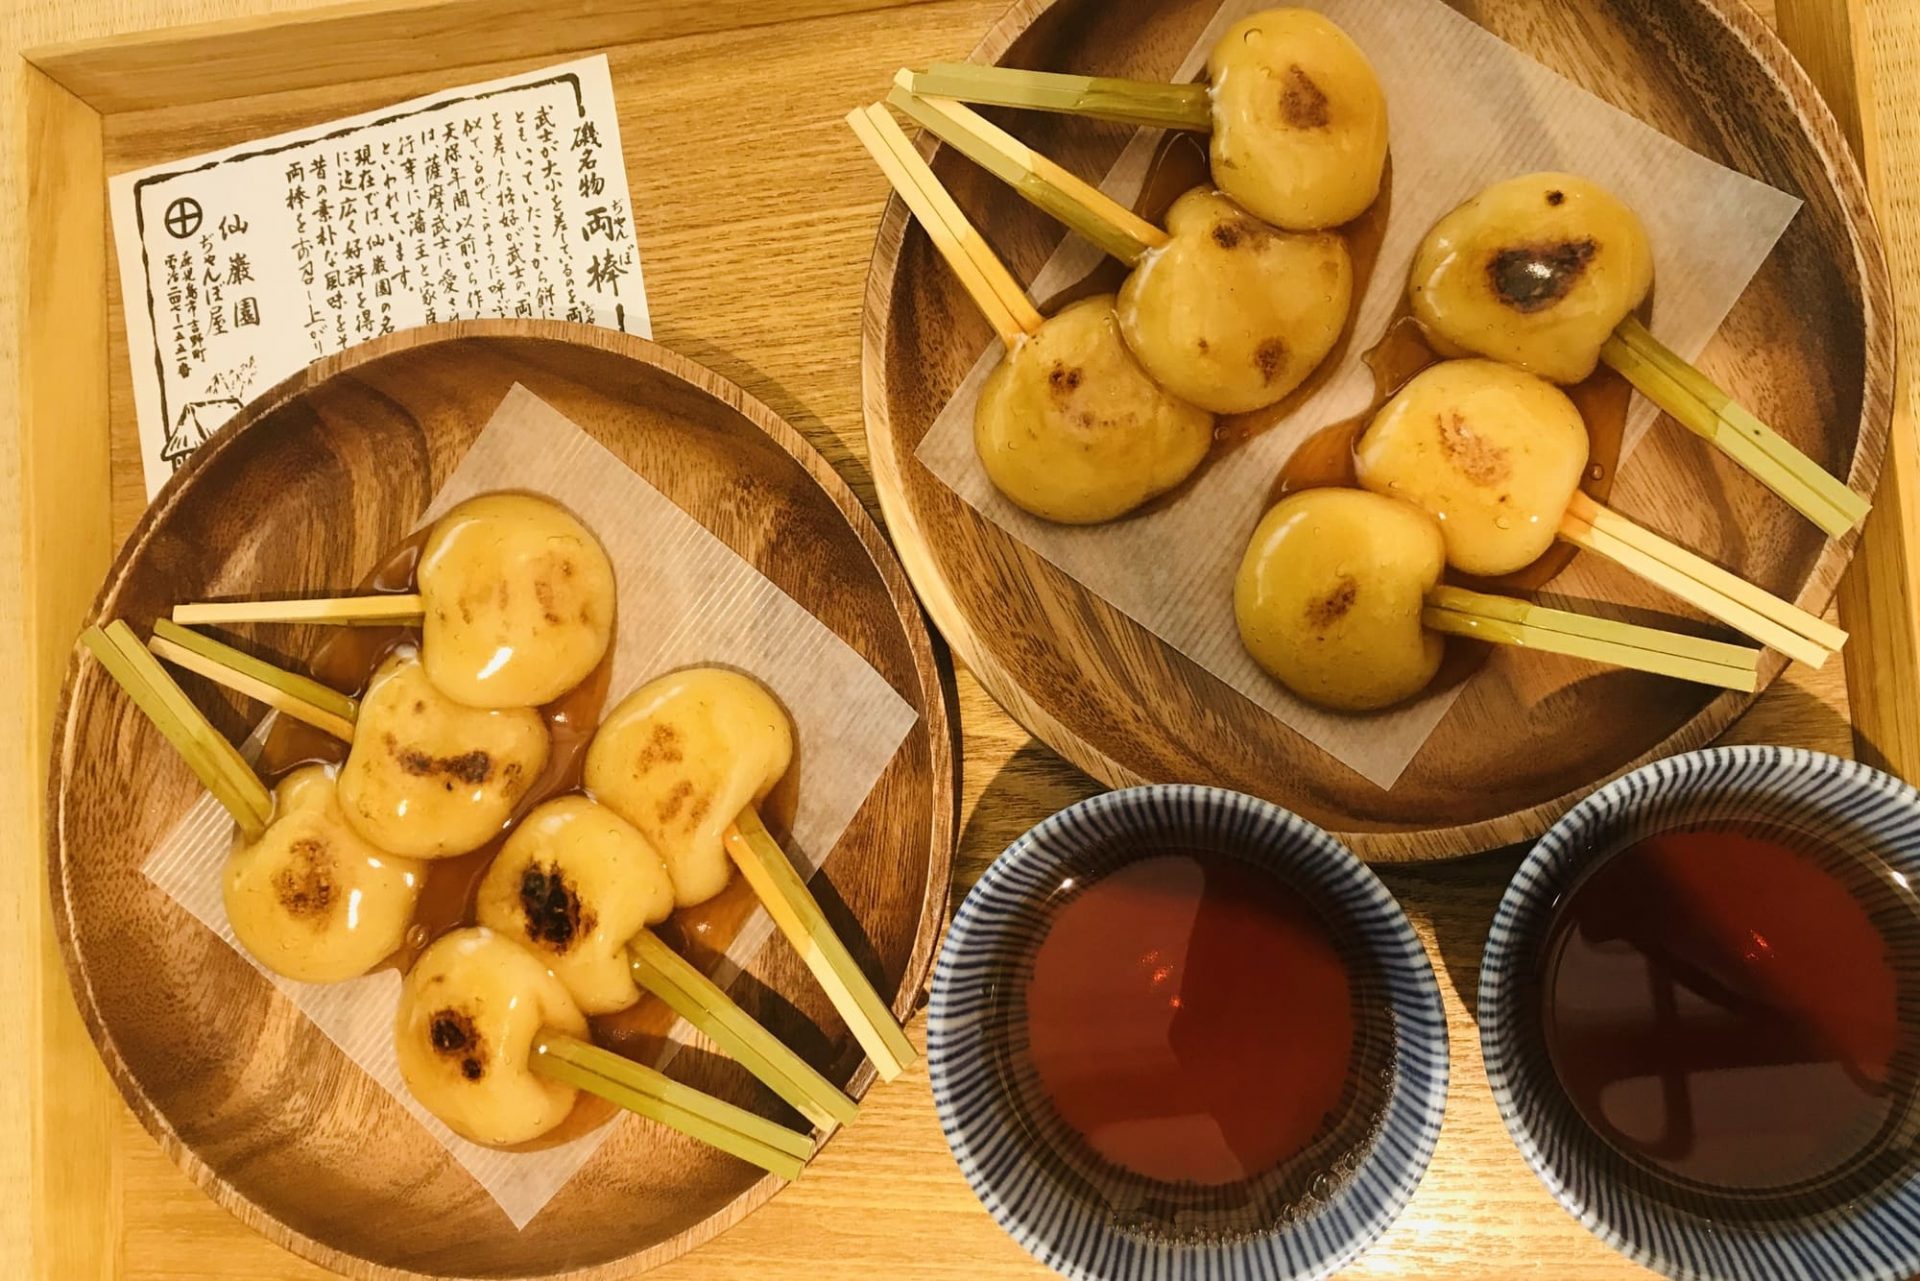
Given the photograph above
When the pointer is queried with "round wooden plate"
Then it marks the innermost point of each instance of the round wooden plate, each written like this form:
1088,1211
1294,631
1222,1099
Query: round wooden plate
303,493
1814,328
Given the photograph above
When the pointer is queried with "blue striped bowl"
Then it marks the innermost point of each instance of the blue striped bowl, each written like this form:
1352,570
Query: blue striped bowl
1848,1232
1087,1219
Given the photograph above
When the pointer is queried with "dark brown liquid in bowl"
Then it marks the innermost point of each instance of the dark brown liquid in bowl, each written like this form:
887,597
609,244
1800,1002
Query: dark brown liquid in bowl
1726,1005
1199,1045
1191,1018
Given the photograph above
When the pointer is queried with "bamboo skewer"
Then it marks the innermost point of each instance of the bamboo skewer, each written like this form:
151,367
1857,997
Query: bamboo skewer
1763,602
657,967
1127,102
794,909
700,1001
379,609
987,281
300,697
1503,620
1701,583
658,1097
214,761
1064,196
1699,404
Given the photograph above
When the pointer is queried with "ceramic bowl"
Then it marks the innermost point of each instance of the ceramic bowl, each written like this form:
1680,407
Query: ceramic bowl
1087,1218
1863,1226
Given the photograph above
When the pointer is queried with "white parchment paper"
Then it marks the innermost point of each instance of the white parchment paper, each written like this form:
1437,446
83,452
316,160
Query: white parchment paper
723,612
1466,110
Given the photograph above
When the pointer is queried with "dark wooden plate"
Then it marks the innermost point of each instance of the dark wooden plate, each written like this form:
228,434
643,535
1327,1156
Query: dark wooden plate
1814,329
303,493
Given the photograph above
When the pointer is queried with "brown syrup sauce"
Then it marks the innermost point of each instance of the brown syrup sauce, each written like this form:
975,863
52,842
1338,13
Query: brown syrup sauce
1192,1018
1730,1005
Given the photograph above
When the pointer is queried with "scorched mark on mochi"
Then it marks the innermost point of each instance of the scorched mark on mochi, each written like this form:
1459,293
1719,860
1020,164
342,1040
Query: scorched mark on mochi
1530,278
1332,607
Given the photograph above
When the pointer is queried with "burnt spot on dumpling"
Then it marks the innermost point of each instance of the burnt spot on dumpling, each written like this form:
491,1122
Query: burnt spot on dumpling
473,768
1324,611
1270,357
304,887
1530,278
455,1038
1303,104
662,748
552,908
1472,454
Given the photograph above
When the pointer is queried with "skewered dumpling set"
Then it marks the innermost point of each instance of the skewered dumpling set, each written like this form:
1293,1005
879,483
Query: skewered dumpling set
1472,465
451,757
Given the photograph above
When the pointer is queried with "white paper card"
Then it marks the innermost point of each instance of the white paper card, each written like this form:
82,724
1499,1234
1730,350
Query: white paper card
239,267
669,566
1466,110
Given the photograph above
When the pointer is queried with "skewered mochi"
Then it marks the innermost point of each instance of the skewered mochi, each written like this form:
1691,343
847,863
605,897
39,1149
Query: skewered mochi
470,1011
1330,593
680,757
1232,314
517,601
574,884
310,899
1071,428
431,778
1492,452
1535,271
1299,120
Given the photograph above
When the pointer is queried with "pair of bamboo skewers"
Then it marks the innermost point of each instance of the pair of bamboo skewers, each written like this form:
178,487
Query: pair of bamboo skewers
1097,217
1686,394
562,1057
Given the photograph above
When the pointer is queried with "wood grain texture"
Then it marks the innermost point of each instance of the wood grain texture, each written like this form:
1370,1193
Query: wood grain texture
774,304
1810,342
1882,588
374,38
63,553
315,481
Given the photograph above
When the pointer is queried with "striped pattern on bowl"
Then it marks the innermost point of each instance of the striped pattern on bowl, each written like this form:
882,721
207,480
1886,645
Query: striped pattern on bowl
1865,1225
1086,1219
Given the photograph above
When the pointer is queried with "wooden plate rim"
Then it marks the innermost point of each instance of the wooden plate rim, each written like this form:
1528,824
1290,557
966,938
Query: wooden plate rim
939,717
1823,131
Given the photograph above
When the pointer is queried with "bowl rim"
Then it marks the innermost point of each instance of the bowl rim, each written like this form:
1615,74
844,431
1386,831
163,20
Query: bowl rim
1631,1225
1784,75
939,721
1310,1248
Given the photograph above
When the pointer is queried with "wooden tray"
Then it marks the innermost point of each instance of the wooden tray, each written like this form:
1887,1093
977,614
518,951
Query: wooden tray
774,304
307,489
1810,342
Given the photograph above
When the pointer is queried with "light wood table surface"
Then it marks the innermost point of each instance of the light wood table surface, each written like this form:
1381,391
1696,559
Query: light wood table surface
84,1193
